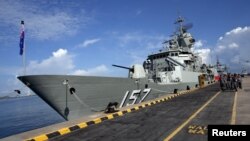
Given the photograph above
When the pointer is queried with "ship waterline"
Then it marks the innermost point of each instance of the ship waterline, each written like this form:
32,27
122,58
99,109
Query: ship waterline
92,94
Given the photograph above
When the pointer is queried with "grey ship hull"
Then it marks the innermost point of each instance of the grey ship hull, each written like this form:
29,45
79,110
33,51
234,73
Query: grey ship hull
93,93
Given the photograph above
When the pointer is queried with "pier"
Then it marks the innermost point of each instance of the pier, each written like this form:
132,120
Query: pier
175,117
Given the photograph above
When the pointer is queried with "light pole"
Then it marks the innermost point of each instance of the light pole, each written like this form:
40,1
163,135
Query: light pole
66,110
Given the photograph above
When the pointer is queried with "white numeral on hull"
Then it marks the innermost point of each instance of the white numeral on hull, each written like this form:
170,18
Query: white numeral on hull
134,96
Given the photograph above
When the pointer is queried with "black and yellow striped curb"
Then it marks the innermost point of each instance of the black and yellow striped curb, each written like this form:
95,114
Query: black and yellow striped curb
67,130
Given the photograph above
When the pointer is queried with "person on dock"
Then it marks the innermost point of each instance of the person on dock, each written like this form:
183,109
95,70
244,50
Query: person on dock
239,81
228,84
222,80
234,82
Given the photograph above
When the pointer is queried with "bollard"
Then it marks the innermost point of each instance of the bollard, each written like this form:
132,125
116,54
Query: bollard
175,91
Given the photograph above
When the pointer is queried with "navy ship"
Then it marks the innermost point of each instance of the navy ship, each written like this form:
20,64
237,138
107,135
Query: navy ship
175,67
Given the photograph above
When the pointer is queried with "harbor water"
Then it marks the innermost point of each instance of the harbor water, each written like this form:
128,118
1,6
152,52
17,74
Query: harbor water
22,114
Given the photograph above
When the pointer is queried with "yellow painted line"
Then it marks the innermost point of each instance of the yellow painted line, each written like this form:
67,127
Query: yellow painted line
82,125
41,138
177,130
233,119
97,120
149,104
120,113
143,105
64,131
110,116
129,110
136,108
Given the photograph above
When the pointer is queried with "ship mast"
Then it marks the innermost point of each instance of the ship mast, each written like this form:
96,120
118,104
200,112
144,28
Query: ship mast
179,21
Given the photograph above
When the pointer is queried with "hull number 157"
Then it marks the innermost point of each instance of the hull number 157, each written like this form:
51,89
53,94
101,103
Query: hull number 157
135,94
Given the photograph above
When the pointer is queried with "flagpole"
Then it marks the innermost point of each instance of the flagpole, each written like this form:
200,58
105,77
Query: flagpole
23,47
24,59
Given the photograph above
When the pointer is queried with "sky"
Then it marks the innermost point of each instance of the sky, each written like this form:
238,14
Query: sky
85,37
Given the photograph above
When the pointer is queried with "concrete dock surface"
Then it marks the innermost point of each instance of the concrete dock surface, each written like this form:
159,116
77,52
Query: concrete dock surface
243,103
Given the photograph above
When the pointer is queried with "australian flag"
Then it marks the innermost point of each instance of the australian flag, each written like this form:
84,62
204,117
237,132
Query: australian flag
21,43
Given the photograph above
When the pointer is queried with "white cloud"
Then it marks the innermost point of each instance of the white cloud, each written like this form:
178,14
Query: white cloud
226,45
237,30
204,54
41,22
60,53
61,62
233,45
220,38
198,44
220,48
202,50
233,48
87,43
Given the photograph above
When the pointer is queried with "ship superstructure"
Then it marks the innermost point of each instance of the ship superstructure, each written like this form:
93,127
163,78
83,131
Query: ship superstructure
176,62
